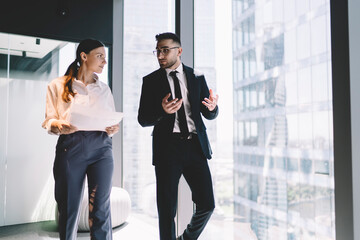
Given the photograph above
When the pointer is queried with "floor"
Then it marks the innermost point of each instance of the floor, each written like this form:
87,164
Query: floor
135,228
48,231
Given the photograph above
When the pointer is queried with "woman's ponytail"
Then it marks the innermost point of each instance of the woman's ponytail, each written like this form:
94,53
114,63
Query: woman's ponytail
70,74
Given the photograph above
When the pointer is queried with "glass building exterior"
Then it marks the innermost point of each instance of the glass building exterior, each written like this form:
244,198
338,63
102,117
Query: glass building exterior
283,140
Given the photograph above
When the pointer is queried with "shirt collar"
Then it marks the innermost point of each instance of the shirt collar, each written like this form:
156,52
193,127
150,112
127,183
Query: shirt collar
179,69
96,83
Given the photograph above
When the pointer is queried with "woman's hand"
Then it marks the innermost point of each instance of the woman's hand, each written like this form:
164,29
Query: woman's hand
62,127
112,129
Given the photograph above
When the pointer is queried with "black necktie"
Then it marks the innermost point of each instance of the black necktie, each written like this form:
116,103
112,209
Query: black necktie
181,112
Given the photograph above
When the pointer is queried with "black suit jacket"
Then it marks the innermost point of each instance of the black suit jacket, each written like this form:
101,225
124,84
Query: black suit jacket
155,87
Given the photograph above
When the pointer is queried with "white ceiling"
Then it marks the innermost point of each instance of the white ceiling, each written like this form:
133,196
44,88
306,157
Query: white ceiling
16,44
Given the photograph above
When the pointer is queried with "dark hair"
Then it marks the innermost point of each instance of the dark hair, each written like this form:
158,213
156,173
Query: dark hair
168,35
84,46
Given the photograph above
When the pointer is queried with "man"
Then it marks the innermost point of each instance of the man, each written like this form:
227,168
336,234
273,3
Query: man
172,99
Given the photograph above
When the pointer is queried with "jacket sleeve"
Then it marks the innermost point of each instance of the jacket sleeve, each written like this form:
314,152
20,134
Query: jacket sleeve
150,110
204,93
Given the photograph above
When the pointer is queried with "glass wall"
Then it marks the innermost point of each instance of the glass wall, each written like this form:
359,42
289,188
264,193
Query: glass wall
27,65
213,57
142,21
282,174
283,144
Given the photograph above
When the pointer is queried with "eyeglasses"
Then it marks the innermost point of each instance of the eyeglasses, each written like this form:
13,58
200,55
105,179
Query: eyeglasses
163,51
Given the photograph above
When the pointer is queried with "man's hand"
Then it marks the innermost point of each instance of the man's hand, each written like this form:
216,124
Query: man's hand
172,106
112,129
62,127
211,102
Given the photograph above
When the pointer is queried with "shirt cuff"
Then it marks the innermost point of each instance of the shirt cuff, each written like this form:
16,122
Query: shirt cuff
214,110
48,127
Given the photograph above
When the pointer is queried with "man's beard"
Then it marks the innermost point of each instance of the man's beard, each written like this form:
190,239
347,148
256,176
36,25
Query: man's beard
168,64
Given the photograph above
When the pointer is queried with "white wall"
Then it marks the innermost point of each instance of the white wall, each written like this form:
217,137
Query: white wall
27,154
3,123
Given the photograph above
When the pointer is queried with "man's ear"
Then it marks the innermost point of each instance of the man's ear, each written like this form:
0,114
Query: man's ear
180,51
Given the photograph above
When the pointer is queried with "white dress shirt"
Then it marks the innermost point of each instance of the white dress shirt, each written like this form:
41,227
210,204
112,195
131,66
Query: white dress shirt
96,95
185,96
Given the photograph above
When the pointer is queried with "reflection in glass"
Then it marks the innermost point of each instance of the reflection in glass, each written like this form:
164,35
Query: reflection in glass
283,155
293,113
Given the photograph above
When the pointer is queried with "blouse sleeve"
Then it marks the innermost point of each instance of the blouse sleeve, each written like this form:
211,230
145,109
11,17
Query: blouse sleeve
51,113
110,100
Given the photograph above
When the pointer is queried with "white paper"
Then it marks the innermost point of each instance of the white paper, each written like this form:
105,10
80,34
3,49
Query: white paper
90,119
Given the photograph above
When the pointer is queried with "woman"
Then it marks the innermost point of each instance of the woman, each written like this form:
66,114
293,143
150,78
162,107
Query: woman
81,152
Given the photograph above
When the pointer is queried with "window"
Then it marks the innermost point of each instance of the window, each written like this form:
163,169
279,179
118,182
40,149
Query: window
216,65
142,21
293,68
282,146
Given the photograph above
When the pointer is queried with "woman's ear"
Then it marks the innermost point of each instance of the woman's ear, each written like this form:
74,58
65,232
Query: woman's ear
83,56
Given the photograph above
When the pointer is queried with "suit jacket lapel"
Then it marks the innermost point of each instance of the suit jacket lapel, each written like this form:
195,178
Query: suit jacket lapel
190,83
164,82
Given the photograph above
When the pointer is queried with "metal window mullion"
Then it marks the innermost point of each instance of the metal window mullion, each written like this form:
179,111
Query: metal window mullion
117,53
353,53
185,29
344,210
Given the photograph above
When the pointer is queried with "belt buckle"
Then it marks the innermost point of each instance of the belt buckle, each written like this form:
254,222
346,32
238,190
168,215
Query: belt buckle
185,137
182,137
190,136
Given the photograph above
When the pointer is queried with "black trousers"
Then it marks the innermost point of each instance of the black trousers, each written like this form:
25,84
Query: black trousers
80,154
184,158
